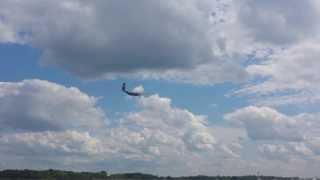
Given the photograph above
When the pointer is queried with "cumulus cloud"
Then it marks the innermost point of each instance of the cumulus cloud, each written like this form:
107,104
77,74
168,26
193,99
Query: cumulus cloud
171,127
7,35
50,143
43,121
263,123
288,77
194,42
108,39
138,89
279,138
157,137
284,45
285,152
153,35
278,23
36,105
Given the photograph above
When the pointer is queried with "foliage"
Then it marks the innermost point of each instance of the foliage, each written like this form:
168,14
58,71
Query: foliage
70,175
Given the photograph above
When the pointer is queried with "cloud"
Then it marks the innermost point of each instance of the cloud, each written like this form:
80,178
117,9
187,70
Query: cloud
178,126
287,77
110,39
44,122
7,35
155,138
285,152
314,143
284,47
36,105
164,38
138,89
205,42
49,143
263,123
279,138
278,23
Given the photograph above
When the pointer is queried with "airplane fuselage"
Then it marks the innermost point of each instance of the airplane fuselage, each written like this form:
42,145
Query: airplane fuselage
129,93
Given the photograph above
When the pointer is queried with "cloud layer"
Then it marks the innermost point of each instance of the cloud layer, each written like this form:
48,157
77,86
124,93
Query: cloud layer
263,123
56,123
196,42
278,23
279,137
108,39
35,105
157,137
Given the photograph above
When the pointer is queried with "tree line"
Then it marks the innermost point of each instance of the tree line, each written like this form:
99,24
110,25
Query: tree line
103,175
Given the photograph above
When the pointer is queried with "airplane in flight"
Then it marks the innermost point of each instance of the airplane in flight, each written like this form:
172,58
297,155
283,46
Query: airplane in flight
128,92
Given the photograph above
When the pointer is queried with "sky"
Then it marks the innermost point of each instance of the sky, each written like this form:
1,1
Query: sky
229,87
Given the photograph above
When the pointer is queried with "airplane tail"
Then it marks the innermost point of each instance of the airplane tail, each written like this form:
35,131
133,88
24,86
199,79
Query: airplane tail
124,87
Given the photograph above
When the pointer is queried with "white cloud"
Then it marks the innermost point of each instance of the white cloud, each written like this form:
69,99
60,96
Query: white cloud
279,139
290,77
314,143
156,138
285,48
286,152
263,123
178,126
48,143
36,105
138,89
60,126
278,23
291,69
196,42
158,40
6,33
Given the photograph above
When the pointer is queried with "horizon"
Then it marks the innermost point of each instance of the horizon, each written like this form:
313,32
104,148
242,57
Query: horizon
133,173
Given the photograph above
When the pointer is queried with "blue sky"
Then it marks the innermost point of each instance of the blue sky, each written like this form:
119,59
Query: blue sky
231,85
